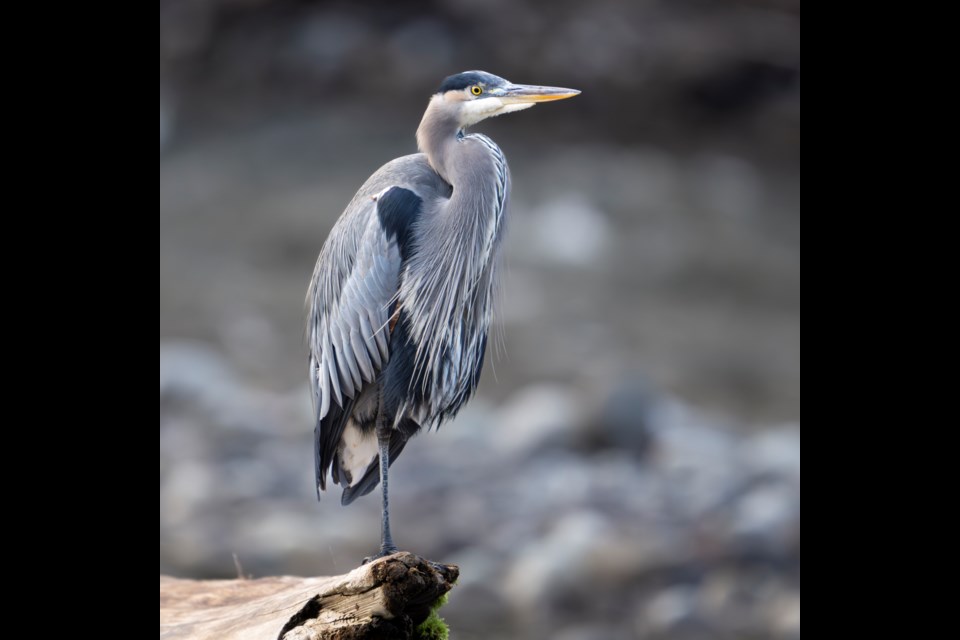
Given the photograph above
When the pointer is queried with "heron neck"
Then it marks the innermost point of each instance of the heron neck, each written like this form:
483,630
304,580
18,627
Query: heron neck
437,137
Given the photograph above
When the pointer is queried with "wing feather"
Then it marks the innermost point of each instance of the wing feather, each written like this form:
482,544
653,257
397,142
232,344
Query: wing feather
352,292
366,332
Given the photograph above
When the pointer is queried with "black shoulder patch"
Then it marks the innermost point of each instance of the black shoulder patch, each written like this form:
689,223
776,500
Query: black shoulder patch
397,210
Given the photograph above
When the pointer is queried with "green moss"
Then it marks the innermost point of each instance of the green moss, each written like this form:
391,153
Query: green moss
434,628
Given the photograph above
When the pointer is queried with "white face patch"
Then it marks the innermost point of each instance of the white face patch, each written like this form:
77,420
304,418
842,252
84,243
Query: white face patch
357,451
516,106
473,111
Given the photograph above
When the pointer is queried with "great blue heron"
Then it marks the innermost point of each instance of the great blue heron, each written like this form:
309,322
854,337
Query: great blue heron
402,294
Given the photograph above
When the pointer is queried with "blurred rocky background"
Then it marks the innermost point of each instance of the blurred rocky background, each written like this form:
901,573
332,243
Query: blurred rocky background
631,465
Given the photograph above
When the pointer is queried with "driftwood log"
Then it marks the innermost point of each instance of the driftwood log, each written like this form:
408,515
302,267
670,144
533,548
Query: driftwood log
387,599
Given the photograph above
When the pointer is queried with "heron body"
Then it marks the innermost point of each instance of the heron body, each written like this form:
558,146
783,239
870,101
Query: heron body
402,295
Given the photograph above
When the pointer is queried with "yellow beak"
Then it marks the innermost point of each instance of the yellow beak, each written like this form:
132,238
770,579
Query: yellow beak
527,93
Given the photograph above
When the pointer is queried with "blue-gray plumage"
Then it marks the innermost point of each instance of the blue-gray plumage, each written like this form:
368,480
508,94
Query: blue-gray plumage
401,299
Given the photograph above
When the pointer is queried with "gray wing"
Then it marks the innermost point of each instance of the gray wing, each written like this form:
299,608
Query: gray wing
353,287
351,298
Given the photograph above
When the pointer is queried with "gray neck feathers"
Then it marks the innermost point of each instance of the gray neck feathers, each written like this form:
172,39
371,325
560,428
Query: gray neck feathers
449,285
437,132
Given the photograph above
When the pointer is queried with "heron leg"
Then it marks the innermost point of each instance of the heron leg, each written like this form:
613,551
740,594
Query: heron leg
384,431
386,540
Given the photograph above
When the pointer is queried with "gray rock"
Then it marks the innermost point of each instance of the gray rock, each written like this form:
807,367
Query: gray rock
567,230
667,610
535,418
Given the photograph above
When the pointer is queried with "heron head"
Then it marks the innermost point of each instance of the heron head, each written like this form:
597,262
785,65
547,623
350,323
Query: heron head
473,96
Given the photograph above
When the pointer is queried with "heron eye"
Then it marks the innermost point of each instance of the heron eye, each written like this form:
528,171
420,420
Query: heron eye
476,90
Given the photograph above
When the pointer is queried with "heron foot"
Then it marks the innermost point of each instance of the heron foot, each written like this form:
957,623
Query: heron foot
384,552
